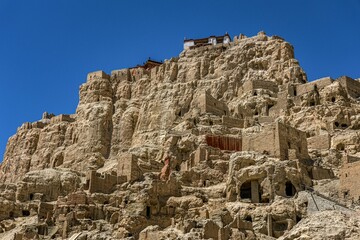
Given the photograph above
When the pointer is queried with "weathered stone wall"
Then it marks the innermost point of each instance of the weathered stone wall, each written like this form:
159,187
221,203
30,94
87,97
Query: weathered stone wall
98,74
262,141
103,183
351,86
208,104
277,140
251,86
232,122
320,142
127,166
308,87
349,178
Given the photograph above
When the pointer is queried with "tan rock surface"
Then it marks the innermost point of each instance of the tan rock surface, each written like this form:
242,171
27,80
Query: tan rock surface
257,152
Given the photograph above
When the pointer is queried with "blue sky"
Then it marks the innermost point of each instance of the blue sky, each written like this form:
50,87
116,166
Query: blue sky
47,47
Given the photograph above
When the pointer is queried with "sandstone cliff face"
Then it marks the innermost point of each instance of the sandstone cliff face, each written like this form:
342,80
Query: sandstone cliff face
251,144
115,115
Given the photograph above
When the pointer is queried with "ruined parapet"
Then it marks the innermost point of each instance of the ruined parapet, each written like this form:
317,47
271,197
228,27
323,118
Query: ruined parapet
47,115
97,75
351,86
62,118
121,75
313,85
209,104
137,73
253,86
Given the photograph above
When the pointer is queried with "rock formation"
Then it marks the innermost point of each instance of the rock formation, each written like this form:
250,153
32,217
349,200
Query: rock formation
226,141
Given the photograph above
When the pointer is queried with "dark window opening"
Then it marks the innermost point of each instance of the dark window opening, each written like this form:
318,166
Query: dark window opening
31,196
106,202
177,167
25,213
289,144
312,103
298,218
340,147
346,194
179,114
148,211
333,99
336,124
204,183
255,93
248,218
11,214
211,122
280,226
256,113
245,190
290,190
295,93
344,125
224,112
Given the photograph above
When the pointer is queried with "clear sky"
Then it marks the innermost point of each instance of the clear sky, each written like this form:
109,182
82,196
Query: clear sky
47,47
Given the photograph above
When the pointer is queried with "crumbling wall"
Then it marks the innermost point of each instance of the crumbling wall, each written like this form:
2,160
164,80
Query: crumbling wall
251,86
291,138
232,122
262,141
127,166
351,86
311,86
349,178
97,74
103,183
208,104
277,140
121,75
319,142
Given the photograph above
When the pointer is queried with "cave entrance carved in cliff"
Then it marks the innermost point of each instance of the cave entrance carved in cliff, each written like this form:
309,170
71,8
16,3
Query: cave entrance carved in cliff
290,189
249,190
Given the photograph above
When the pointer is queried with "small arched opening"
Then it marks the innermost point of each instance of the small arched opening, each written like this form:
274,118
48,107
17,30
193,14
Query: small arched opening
290,190
340,147
333,99
336,124
248,218
25,213
31,196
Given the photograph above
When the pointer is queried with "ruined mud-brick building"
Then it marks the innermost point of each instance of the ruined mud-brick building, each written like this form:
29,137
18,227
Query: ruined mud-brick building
229,140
